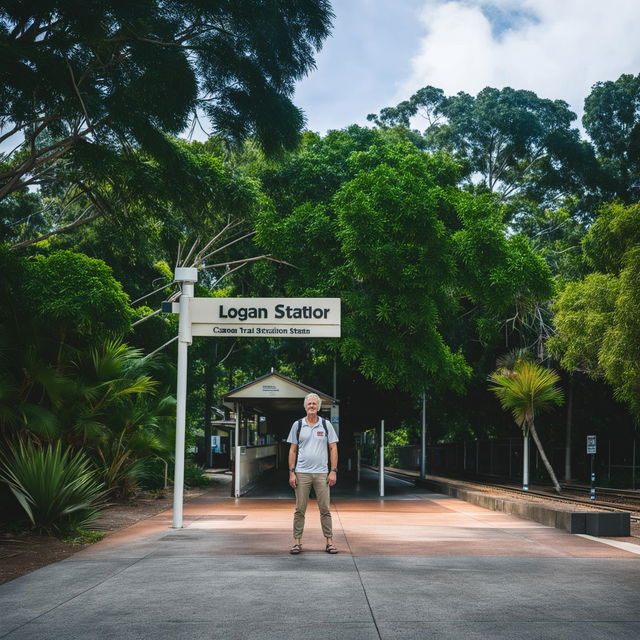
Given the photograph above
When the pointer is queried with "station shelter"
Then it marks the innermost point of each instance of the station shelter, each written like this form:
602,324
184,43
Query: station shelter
263,411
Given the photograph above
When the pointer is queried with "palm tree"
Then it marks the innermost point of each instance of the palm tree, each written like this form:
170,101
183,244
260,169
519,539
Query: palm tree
526,390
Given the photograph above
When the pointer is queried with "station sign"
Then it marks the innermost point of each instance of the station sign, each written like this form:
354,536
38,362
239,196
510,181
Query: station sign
591,444
265,317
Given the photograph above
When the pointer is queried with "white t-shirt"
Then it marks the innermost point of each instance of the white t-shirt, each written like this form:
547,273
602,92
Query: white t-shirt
313,454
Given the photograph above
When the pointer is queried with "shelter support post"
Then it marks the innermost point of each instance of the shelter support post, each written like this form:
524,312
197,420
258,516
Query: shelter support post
236,454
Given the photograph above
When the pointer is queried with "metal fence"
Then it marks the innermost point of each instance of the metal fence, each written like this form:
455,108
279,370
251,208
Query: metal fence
616,462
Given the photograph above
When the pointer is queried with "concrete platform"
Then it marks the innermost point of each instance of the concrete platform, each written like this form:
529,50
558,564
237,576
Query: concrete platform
574,519
428,566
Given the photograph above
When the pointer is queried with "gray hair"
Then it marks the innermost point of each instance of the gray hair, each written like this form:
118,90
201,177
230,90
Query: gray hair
312,395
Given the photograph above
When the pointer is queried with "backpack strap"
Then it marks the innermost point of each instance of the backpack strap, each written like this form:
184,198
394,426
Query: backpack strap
298,430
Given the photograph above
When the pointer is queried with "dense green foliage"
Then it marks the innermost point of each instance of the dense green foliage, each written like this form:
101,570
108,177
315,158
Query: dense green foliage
90,95
598,329
404,248
519,144
612,120
492,227
58,489
82,81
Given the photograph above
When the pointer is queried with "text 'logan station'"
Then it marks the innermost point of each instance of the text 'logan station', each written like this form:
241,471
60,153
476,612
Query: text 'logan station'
281,311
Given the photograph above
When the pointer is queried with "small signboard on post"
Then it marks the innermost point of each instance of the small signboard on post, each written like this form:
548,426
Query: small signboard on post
591,451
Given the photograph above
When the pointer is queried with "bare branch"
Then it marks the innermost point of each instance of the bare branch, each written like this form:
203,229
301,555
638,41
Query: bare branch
229,272
154,313
73,225
228,352
166,344
195,244
77,90
245,261
229,244
226,228
148,295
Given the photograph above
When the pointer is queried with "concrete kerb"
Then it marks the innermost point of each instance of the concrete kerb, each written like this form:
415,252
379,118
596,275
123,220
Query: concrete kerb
595,523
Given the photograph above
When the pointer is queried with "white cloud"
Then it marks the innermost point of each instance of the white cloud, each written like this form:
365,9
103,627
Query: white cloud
557,48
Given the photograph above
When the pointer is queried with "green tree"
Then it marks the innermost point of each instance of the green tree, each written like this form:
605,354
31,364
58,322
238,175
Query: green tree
584,312
423,268
597,328
620,355
82,80
54,307
76,296
527,390
517,143
612,120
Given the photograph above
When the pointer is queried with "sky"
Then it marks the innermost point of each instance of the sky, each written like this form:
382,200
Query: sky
382,51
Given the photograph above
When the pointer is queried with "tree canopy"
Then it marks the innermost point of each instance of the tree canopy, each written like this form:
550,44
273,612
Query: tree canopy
405,249
516,142
612,120
598,330
80,81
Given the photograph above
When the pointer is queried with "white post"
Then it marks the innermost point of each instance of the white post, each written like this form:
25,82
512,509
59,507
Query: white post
423,438
381,478
525,463
236,455
186,276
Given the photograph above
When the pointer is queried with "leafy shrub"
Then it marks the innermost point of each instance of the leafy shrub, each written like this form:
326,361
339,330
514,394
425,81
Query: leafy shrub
122,474
58,490
193,476
154,479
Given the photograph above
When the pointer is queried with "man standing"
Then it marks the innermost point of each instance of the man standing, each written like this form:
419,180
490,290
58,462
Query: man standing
312,440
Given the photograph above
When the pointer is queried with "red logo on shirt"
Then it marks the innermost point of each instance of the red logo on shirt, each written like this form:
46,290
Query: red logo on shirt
320,433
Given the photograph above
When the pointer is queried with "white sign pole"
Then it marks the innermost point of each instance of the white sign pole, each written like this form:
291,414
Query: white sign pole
187,277
381,478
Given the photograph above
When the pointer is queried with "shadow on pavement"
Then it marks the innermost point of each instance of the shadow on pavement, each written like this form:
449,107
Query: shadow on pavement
275,484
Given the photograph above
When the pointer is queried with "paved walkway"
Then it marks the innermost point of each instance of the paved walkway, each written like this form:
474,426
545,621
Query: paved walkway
414,565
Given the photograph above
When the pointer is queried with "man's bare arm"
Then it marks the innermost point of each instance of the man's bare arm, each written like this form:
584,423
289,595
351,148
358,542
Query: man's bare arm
333,463
293,450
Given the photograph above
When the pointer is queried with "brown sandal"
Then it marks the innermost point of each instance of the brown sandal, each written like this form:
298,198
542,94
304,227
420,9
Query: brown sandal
296,549
331,549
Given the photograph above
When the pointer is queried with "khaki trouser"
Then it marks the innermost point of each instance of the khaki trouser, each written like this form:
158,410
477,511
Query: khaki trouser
320,486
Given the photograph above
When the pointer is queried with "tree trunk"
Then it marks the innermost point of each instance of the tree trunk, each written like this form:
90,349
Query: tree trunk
567,444
543,455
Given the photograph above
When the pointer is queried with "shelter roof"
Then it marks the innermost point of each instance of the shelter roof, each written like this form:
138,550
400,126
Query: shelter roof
274,391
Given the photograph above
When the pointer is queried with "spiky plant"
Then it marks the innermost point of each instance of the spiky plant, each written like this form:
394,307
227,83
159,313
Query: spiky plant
58,489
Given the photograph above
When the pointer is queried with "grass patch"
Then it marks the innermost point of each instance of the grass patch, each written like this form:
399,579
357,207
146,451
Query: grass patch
84,536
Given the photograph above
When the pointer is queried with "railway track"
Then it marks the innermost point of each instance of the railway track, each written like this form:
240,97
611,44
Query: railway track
616,500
